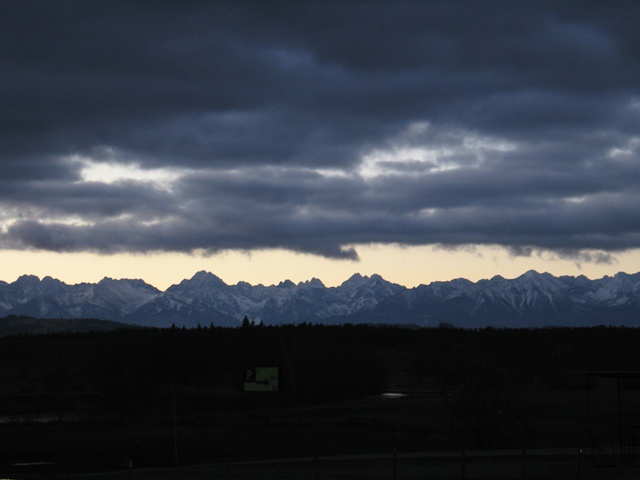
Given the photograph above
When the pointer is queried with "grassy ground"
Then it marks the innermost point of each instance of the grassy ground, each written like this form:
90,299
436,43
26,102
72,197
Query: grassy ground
424,422
475,465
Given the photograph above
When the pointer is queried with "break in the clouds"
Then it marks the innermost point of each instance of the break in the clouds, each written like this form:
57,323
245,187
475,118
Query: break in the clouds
320,126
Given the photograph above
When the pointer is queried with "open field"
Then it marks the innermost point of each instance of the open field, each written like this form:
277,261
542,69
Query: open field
351,440
89,404
438,466
537,464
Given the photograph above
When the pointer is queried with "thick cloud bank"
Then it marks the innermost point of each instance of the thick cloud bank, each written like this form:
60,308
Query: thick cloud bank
318,126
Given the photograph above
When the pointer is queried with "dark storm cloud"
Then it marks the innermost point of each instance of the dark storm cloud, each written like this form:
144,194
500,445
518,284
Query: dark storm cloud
314,126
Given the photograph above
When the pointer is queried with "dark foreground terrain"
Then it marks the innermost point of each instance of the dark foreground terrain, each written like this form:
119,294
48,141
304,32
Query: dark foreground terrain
133,402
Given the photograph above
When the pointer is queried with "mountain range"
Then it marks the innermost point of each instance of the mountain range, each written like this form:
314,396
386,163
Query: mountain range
531,300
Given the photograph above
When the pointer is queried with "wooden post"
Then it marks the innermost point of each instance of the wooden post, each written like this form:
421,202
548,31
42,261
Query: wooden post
524,464
579,464
463,467
395,465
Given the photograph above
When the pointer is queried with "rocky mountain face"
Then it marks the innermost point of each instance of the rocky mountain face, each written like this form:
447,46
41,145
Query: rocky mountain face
531,300
203,299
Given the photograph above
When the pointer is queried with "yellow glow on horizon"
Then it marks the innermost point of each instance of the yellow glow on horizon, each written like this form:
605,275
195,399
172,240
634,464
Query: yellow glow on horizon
408,266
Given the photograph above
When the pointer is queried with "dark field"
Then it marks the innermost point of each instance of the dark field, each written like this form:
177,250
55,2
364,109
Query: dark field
87,403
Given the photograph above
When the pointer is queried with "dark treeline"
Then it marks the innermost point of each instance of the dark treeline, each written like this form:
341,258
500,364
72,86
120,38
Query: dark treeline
133,369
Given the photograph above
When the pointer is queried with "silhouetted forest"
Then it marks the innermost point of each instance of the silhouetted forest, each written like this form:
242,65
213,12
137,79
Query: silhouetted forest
132,370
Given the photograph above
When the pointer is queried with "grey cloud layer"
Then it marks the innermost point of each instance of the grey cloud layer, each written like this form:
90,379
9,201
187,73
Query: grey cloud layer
267,111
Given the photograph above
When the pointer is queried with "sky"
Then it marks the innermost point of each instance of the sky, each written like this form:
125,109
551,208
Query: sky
266,140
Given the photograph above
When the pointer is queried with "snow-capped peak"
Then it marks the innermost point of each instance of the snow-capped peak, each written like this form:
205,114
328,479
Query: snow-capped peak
205,298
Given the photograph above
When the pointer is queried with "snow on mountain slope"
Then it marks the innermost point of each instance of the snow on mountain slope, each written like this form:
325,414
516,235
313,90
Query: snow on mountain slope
618,290
124,296
533,299
49,298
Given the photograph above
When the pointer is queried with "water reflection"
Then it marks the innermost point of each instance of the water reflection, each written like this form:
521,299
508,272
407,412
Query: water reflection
393,395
